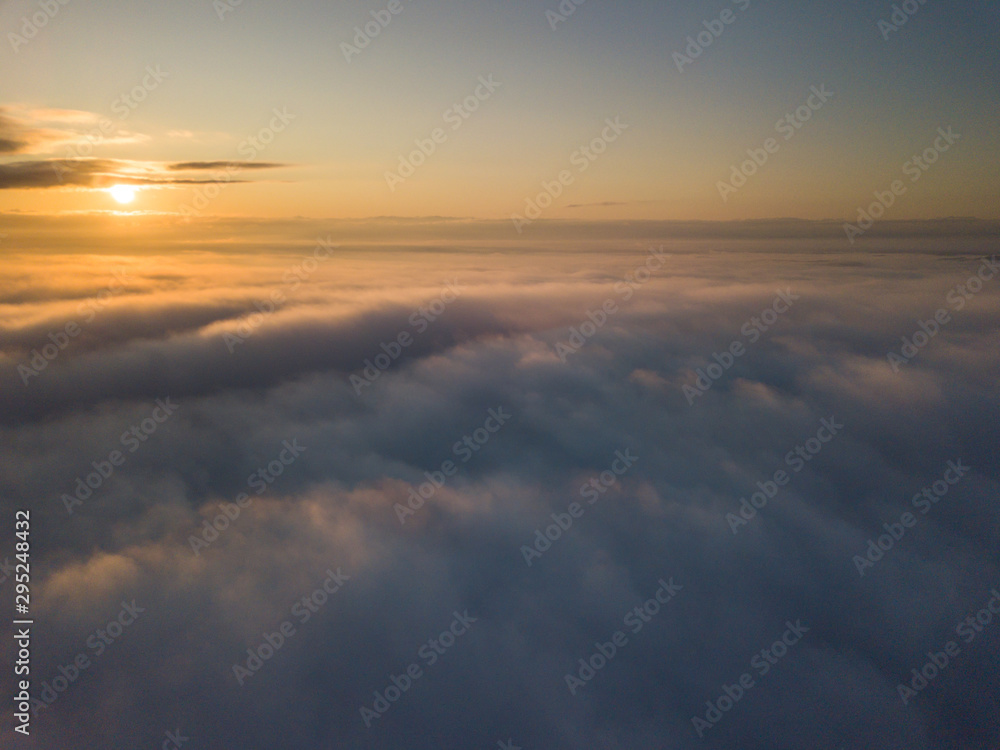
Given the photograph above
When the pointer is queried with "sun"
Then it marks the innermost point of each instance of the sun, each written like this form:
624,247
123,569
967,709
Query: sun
122,193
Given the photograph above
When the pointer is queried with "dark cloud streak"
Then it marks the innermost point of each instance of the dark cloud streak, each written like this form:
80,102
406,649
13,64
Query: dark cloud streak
98,173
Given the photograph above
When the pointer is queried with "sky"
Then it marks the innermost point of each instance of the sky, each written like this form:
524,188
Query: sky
515,379
354,119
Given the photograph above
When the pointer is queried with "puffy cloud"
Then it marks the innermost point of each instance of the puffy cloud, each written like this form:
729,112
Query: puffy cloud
495,347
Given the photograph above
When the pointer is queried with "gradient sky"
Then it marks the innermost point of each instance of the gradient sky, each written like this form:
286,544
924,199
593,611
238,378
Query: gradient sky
354,120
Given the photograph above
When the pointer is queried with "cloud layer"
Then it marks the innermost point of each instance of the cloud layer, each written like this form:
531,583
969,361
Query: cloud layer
198,327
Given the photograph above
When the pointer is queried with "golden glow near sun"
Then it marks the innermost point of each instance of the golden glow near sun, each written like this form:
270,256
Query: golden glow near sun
122,193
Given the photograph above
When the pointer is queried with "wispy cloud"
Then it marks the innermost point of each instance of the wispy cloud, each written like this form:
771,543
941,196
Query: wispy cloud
608,203
200,165
100,173
45,131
